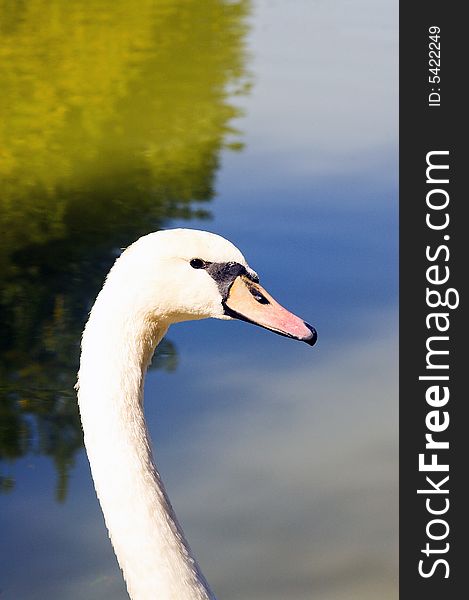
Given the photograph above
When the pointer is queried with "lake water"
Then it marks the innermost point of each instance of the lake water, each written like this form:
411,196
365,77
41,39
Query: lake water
275,125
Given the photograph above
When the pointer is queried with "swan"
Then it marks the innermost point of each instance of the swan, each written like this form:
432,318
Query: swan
165,277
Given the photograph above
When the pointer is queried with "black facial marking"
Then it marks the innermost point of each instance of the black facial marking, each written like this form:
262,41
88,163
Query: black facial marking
224,274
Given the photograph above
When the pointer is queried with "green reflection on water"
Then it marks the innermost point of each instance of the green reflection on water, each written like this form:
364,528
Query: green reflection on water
113,115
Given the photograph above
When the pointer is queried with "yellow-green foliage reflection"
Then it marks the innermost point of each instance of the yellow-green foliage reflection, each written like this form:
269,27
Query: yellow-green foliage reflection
113,115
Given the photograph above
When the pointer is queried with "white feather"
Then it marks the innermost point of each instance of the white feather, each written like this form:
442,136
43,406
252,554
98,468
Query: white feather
150,286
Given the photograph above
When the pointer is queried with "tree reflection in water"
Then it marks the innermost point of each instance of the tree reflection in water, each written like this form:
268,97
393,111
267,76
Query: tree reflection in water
113,119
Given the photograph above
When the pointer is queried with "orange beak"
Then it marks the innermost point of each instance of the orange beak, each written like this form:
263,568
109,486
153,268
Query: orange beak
250,302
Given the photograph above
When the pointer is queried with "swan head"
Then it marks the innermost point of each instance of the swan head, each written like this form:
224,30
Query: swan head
182,274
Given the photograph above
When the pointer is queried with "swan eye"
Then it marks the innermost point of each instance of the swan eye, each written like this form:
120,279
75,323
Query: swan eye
197,263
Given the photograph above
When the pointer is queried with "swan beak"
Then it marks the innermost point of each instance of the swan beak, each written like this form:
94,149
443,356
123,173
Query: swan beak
250,302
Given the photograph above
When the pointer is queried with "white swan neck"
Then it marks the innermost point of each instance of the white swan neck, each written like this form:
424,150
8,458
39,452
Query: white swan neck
149,544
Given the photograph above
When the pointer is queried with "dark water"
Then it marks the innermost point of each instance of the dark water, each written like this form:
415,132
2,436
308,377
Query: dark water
273,124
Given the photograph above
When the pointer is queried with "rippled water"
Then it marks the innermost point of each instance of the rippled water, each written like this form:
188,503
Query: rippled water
273,124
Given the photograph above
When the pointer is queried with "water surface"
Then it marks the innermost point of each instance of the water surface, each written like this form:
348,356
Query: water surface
273,124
